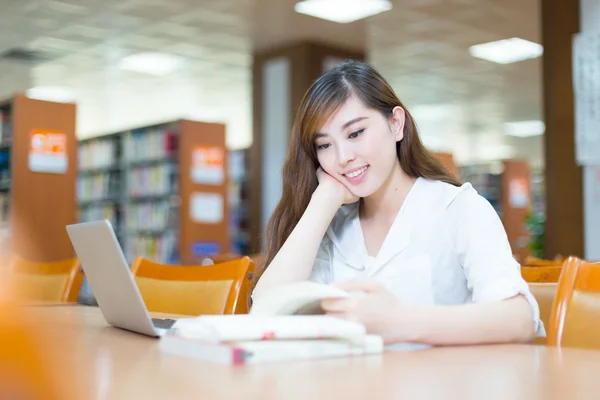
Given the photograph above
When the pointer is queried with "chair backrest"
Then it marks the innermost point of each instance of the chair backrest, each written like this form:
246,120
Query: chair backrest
58,281
191,290
575,320
243,304
541,274
544,293
532,261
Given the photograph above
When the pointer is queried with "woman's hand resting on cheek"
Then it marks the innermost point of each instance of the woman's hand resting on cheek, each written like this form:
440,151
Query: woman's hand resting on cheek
335,188
377,309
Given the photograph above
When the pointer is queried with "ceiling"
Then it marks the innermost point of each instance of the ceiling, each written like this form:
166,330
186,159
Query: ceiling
421,46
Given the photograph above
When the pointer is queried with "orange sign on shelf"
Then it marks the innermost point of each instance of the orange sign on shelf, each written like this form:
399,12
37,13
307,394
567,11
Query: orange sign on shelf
48,151
518,195
208,165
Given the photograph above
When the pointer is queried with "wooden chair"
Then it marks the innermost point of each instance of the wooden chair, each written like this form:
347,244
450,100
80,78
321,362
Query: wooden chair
541,274
531,261
58,281
243,306
192,290
225,257
544,293
575,319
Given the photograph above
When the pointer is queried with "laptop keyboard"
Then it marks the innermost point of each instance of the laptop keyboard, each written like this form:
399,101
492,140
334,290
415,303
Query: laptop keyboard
163,323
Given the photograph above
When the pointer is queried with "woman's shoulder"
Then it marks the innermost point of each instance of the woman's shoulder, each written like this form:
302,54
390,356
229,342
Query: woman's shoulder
460,200
447,195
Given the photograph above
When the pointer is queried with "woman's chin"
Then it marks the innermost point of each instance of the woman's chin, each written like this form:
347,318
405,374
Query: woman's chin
362,193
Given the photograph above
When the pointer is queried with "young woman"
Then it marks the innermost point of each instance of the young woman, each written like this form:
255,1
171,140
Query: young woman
366,207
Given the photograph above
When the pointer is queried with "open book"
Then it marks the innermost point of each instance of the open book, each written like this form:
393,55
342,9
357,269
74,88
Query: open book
302,298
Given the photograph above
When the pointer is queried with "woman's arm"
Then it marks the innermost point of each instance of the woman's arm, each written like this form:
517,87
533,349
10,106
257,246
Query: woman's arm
295,259
501,321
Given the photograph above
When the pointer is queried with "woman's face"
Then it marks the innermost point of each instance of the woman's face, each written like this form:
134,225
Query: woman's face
357,146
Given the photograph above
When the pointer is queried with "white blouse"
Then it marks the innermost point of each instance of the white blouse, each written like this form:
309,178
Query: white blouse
447,246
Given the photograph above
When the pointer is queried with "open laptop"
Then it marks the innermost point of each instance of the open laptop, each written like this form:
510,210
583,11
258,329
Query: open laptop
110,278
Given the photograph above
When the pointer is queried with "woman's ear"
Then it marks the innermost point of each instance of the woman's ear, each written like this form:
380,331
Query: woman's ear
397,122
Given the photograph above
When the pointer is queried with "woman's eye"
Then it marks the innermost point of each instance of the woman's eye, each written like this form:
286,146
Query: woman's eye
355,134
322,146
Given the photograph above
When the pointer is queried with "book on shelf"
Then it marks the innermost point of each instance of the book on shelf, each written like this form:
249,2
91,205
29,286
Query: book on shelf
4,209
101,186
162,249
95,213
137,171
5,126
5,175
238,202
98,153
152,180
154,143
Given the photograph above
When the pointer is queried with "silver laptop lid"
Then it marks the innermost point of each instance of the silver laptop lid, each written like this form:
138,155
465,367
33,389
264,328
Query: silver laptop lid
109,276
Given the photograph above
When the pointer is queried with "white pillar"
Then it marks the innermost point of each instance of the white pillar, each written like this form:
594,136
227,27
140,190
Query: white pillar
589,18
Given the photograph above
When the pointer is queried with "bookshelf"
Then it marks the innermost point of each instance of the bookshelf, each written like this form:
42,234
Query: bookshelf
5,176
239,201
38,158
163,187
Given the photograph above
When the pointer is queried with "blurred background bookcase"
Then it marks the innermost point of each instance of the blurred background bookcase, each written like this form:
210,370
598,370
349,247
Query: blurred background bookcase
239,200
163,187
38,170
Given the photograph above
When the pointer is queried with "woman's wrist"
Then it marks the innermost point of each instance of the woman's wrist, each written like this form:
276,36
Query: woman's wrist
403,325
327,197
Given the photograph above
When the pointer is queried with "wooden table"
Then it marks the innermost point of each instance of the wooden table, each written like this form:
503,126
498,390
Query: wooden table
109,363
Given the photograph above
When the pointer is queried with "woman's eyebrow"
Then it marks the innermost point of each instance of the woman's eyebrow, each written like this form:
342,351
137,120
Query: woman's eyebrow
346,125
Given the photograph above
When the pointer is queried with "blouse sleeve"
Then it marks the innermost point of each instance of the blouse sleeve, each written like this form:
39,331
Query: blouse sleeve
483,250
321,268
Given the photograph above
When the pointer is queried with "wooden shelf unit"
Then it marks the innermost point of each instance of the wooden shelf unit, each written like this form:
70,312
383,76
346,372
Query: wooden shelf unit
38,169
162,187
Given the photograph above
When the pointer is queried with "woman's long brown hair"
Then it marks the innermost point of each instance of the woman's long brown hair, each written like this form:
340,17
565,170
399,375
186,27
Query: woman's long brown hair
324,97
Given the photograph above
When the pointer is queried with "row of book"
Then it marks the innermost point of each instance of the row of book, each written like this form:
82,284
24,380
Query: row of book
5,225
102,153
538,191
95,213
238,202
4,209
150,144
4,167
152,180
153,216
5,126
142,181
161,249
98,187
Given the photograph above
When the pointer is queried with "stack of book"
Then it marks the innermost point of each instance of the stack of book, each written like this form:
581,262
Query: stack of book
244,339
